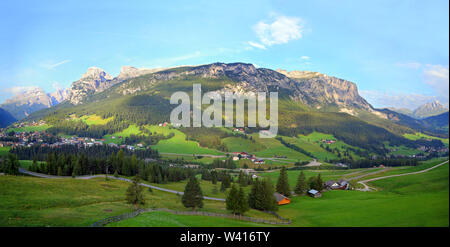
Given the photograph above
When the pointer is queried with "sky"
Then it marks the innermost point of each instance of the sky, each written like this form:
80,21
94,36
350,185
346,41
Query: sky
397,52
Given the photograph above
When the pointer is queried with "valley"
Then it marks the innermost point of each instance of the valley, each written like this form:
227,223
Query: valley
116,129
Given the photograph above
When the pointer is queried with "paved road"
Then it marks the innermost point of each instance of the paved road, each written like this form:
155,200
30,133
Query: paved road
368,188
24,171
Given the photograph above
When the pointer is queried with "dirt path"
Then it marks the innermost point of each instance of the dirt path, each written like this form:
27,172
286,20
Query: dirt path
368,188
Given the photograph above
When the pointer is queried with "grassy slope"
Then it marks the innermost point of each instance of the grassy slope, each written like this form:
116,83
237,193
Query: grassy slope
131,130
178,143
237,144
163,219
31,128
415,200
274,147
29,201
4,150
418,136
95,120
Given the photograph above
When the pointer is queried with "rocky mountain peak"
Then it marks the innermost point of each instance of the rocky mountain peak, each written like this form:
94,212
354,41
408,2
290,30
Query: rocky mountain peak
320,90
429,109
25,102
127,72
96,74
299,74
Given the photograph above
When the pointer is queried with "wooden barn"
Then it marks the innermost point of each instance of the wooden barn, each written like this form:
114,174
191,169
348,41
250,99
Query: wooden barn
314,193
281,200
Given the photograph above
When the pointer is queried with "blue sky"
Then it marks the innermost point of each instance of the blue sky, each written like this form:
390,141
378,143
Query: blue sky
396,51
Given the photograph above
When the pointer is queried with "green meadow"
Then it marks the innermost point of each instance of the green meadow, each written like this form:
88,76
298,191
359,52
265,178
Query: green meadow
30,201
273,148
164,219
30,128
95,120
239,144
413,200
418,136
131,130
4,150
178,143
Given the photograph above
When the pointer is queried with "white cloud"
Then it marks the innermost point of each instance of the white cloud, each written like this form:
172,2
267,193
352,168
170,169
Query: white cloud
409,65
411,101
280,31
257,45
437,76
434,75
304,57
54,65
19,89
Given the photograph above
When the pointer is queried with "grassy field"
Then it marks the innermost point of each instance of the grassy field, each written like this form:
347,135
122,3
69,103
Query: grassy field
131,130
27,163
275,148
418,136
4,150
95,120
201,159
163,219
30,128
178,143
238,144
29,201
402,150
406,169
415,200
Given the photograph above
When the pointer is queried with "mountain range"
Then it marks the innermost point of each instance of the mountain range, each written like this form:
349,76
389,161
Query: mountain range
426,110
31,100
142,95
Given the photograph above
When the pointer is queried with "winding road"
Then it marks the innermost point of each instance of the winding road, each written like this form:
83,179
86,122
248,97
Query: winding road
40,175
368,188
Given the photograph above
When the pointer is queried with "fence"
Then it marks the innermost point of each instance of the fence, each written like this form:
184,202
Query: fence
283,221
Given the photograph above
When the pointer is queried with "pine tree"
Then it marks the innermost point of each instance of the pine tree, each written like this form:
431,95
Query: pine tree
11,165
232,200
269,202
261,196
222,187
283,184
59,171
226,181
134,194
243,202
77,168
241,179
193,196
116,174
34,166
319,183
300,188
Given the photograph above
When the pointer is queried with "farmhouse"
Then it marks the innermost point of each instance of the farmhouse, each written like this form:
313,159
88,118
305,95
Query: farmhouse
337,185
314,193
281,200
259,161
